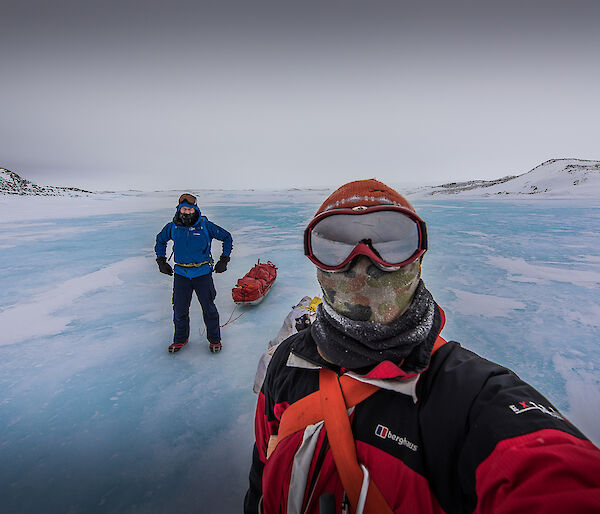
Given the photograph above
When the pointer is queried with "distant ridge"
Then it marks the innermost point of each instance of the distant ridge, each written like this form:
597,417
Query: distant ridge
559,178
552,178
12,183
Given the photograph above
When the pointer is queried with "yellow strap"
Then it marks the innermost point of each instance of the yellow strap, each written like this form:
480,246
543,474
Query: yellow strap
312,307
193,264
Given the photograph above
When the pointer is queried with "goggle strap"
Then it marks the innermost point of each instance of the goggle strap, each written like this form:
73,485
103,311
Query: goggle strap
423,230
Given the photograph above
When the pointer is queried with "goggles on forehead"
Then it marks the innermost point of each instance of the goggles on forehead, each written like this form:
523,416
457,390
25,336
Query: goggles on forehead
390,236
186,197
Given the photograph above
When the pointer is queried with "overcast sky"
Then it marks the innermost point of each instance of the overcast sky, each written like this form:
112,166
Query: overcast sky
189,94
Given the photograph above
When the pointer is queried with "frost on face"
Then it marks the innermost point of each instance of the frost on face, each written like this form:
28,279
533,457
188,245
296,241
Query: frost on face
366,293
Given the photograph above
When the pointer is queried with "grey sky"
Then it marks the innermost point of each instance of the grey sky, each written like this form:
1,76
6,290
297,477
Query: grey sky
184,94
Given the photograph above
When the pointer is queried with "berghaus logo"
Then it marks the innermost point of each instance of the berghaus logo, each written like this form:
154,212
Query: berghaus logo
385,433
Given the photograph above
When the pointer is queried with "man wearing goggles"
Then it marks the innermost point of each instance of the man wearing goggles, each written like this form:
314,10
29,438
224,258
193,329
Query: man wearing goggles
433,427
192,235
368,251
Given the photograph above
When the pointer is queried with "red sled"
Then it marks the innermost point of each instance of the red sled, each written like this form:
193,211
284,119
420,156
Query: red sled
254,285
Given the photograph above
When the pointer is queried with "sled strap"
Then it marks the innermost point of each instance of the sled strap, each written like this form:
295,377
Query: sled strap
343,447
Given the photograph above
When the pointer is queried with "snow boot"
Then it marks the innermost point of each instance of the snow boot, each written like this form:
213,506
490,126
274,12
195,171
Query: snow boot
175,347
215,347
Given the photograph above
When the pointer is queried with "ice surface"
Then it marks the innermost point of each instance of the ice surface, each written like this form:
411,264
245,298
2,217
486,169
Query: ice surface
96,416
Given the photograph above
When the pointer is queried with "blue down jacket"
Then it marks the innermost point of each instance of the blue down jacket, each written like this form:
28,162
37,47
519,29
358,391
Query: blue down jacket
192,244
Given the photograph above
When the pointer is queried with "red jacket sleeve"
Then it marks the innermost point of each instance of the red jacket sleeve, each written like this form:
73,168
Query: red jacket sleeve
263,429
548,471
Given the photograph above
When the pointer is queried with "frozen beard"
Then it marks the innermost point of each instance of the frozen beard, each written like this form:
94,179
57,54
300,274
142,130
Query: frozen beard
365,293
185,219
188,219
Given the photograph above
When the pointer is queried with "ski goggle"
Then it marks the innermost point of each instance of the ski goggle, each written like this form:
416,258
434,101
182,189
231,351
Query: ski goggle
186,197
390,236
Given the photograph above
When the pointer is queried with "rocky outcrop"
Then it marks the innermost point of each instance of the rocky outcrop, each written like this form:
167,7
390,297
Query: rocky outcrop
12,183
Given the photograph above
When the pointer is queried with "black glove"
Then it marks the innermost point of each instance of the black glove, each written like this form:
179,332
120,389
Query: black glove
221,264
164,266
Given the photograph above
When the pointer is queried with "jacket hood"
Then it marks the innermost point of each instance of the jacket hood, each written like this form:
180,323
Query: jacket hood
186,204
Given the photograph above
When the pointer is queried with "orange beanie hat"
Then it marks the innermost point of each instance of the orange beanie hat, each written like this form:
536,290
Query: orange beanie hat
364,192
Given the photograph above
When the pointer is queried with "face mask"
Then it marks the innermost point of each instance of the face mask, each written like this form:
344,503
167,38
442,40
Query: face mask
366,293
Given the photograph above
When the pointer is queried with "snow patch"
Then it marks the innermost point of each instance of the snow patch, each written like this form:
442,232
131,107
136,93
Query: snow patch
521,271
35,317
585,314
489,306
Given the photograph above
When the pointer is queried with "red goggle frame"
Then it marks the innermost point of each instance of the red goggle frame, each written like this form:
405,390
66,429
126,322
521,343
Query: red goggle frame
364,248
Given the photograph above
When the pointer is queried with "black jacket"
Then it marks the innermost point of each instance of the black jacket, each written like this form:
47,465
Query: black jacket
468,436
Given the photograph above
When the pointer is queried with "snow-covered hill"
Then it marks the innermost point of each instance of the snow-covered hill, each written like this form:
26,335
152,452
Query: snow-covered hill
11,183
556,178
553,178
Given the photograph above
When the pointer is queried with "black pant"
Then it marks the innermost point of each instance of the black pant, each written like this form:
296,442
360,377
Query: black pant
182,298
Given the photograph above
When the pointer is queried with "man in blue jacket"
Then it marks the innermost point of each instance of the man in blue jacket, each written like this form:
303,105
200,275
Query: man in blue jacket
192,235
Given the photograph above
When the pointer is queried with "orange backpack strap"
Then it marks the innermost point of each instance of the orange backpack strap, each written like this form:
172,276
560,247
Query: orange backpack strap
307,411
343,447
330,403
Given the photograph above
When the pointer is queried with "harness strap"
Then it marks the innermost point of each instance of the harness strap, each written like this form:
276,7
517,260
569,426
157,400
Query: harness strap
308,410
343,447
193,264
330,404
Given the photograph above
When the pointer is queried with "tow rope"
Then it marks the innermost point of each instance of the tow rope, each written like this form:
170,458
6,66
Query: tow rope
229,321
230,316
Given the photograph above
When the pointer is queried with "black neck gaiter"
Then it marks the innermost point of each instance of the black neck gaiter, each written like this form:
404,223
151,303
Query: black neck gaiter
407,341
